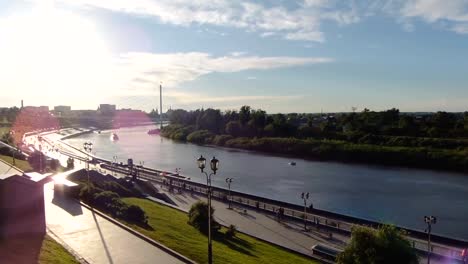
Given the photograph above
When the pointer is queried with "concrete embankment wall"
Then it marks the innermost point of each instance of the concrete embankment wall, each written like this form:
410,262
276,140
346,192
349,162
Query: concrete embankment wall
449,241
77,134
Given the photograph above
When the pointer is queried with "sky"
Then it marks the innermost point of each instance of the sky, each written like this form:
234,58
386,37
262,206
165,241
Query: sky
280,56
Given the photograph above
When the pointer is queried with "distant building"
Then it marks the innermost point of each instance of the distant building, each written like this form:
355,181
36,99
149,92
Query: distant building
107,108
44,108
22,204
62,108
36,108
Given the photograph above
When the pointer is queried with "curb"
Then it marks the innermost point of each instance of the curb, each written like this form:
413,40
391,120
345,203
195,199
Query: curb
141,236
11,165
75,254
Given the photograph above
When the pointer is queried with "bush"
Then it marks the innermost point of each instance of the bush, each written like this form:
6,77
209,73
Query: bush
220,140
105,199
386,245
231,231
87,193
135,214
198,217
200,137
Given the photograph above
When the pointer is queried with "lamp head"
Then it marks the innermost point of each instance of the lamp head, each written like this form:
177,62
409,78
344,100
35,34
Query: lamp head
214,164
201,163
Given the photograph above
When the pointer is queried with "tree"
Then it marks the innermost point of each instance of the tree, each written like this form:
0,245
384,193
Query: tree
244,114
198,217
37,160
234,128
211,120
382,246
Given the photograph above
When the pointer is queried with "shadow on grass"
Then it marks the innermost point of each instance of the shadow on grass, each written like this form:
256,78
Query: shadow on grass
144,226
235,243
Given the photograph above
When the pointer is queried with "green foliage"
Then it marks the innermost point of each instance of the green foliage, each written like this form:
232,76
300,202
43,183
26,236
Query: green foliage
231,231
435,141
234,128
172,230
111,203
21,164
37,160
135,214
200,137
198,217
382,246
220,140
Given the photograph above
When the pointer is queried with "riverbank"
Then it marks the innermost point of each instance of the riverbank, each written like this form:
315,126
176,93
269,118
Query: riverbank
425,157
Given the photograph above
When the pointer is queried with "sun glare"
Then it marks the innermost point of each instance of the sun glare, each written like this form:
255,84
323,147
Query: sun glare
50,51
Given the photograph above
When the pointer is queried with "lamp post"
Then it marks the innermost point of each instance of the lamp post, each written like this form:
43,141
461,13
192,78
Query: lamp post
305,197
88,147
429,220
229,181
214,163
114,158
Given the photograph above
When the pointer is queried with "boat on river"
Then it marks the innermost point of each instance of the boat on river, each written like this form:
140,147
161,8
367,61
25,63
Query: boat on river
292,163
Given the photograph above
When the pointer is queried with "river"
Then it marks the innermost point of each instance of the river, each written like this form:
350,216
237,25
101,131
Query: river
392,195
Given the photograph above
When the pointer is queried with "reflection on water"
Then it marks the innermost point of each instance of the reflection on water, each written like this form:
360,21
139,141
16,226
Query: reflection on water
394,195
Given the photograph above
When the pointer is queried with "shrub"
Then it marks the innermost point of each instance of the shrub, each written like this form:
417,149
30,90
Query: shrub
135,214
386,245
220,140
105,199
198,217
231,231
200,137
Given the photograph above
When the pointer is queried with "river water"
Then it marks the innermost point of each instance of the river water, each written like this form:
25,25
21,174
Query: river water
392,195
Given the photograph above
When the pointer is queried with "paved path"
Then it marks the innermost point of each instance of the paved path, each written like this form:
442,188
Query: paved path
261,225
7,170
96,239
287,234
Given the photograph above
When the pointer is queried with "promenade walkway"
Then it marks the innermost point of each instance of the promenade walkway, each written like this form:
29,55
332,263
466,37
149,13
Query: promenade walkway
288,234
96,239
7,170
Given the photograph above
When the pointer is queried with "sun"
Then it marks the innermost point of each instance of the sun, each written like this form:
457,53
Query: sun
49,51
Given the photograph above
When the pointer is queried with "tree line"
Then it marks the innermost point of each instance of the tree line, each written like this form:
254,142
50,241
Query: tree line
426,140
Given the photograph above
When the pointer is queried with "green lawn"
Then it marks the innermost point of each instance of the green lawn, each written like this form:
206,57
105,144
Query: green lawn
53,252
171,229
34,249
4,130
21,164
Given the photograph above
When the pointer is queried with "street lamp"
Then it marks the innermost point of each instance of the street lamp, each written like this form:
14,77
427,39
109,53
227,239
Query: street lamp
114,158
229,181
305,197
214,164
429,220
88,147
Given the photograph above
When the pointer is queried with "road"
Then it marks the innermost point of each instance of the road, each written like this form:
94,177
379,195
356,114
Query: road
95,238
6,170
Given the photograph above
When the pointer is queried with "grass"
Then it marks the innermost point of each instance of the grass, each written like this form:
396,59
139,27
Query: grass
34,249
4,130
53,252
170,228
21,164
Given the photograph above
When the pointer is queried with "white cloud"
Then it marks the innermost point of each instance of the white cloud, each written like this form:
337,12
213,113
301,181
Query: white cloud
144,69
460,28
300,23
454,12
434,10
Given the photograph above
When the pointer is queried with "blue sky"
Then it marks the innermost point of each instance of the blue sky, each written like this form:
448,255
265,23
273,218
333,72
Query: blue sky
281,56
